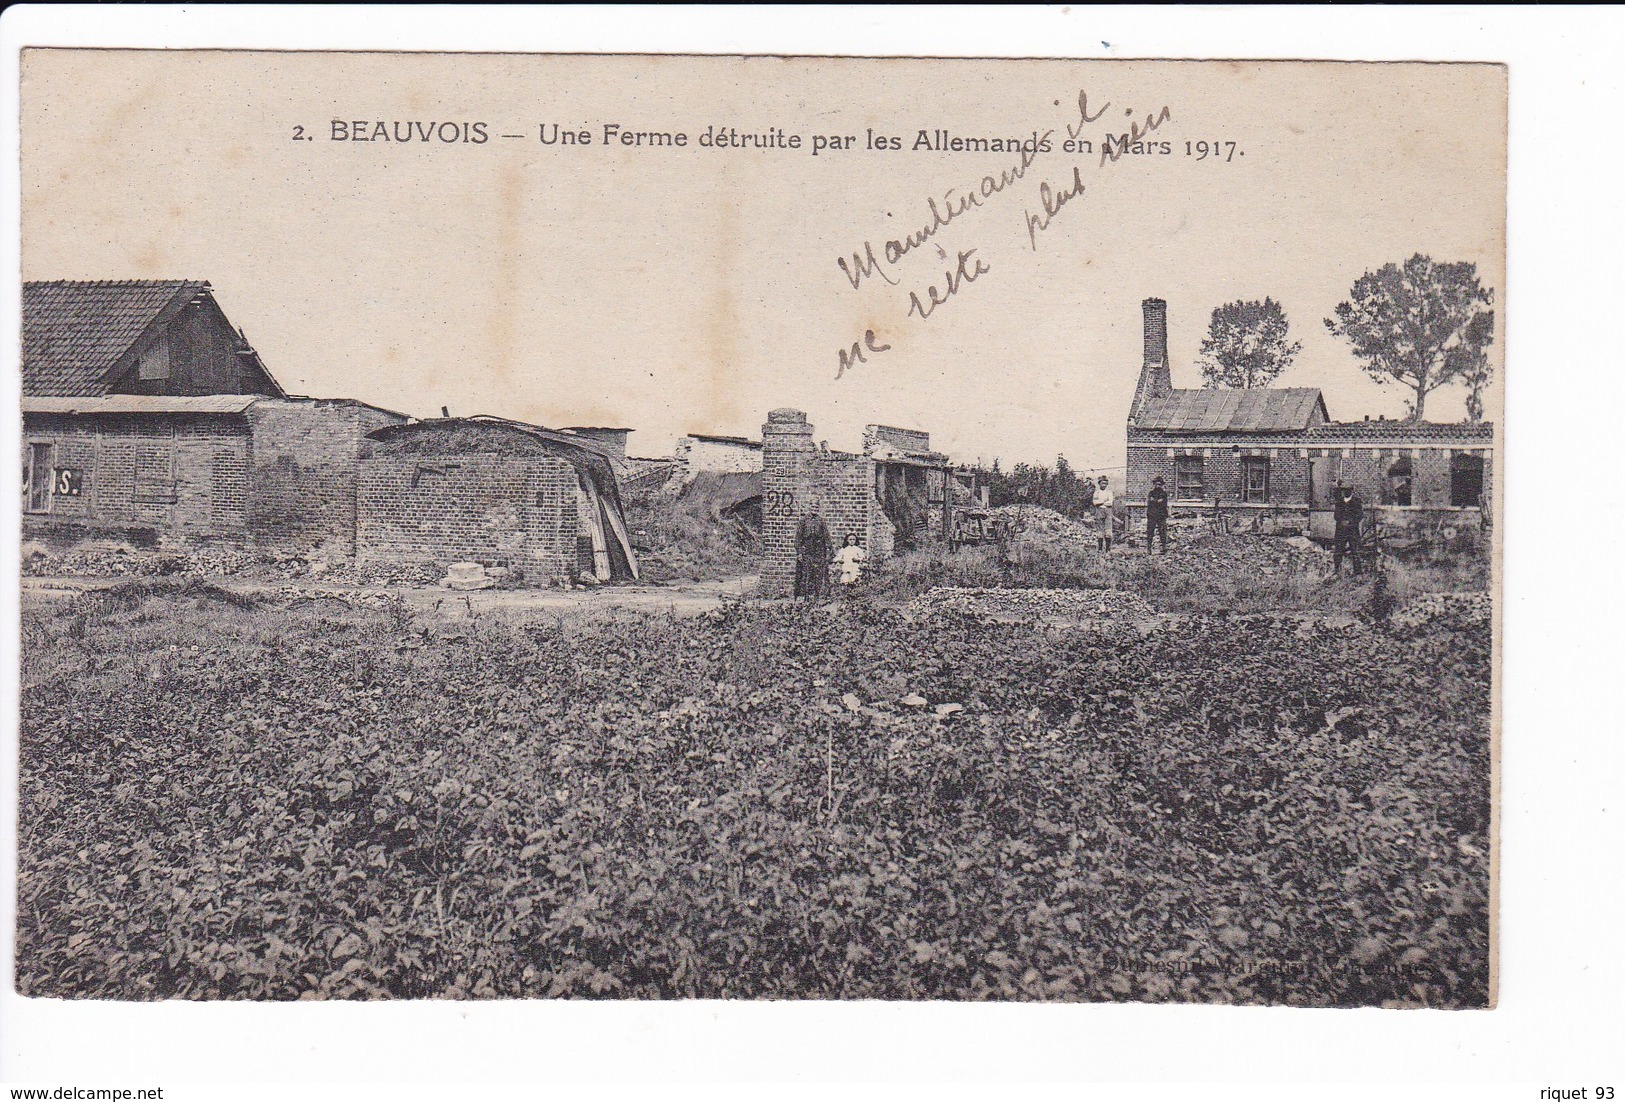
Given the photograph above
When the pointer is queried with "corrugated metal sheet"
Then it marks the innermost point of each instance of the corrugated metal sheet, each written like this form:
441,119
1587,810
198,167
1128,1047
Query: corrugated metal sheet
142,403
1268,410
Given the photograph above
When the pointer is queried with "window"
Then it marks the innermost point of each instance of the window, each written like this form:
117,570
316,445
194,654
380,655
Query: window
1255,478
37,477
155,469
1466,479
154,363
1397,490
1188,485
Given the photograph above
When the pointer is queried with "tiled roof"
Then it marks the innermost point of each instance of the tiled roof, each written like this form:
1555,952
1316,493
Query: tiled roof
141,403
1261,410
1405,430
75,332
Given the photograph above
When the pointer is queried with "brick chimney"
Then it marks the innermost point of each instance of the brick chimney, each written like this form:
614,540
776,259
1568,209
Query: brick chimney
1155,379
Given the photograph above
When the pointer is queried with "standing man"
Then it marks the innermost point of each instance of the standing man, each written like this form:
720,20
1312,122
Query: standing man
812,557
1348,511
1104,500
1156,515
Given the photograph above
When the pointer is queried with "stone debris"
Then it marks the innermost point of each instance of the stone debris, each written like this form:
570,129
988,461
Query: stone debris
466,576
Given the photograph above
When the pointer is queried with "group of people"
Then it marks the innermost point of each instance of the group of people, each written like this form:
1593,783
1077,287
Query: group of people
815,560
1156,514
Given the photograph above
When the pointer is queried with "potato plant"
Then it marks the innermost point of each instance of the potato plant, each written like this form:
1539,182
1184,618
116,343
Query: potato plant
263,803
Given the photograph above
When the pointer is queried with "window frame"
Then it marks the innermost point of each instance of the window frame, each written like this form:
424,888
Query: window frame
34,480
1249,464
1477,464
156,353
1181,462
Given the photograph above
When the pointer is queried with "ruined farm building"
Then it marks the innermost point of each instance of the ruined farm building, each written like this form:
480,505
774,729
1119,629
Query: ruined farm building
148,417
498,492
894,495
1276,452
699,452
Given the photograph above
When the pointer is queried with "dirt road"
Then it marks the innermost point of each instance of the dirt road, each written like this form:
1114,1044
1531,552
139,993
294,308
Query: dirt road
682,599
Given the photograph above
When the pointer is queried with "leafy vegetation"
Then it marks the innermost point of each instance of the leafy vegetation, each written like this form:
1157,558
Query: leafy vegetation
1057,487
1421,324
1246,345
273,803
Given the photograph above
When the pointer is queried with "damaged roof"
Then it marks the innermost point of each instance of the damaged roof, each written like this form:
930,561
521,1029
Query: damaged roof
1284,409
141,403
1406,430
76,333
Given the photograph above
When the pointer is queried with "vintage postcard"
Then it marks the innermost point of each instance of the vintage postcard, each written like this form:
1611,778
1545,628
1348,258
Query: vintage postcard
524,526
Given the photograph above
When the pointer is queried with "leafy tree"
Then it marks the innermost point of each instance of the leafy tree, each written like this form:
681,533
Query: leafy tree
1059,487
1419,324
1476,371
1247,345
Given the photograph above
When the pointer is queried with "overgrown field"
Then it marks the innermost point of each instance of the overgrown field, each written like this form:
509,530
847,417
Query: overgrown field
228,801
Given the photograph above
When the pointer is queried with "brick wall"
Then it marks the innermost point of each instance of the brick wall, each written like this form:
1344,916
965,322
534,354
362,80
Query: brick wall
1365,468
304,469
1221,472
909,440
496,510
692,455
176,479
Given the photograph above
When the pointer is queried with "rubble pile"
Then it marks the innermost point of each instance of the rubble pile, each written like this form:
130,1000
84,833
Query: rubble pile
104,562
122,561
1264,556
1037,524
1110,604
406,573
296,596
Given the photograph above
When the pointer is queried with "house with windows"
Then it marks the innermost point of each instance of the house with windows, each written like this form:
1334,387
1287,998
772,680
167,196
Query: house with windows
148,418
1275,453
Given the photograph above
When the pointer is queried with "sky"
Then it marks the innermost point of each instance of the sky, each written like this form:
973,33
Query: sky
694,289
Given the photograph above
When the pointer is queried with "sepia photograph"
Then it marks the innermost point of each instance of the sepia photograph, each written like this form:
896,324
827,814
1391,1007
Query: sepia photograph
525,526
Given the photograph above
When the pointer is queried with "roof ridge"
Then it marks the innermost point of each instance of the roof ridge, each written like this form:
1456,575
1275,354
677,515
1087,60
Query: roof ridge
115,282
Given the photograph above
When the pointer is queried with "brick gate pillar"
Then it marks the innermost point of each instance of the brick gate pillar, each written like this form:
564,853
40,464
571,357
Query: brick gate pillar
787,486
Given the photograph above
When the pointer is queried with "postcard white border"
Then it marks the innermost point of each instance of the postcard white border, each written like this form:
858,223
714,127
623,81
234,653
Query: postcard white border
1560,962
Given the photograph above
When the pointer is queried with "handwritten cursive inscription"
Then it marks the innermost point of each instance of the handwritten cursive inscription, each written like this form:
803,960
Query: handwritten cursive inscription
856,356
1116,145
955,203
961,276
1051,202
